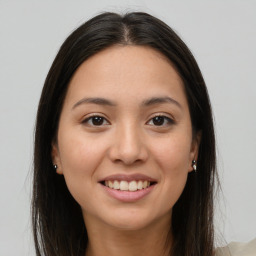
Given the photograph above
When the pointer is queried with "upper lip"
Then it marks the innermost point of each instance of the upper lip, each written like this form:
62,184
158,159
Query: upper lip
130,177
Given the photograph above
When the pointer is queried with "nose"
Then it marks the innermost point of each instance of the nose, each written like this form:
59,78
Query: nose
128,145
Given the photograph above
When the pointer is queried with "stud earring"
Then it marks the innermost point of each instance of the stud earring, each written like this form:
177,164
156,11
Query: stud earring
194,165
55,166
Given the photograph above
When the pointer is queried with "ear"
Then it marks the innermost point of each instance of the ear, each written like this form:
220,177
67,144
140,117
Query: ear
56,158
194,149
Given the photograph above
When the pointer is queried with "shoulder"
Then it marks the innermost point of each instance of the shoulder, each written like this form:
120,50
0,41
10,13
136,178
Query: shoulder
238,249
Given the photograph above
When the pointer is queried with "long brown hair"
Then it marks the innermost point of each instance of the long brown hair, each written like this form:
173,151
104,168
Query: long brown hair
58,224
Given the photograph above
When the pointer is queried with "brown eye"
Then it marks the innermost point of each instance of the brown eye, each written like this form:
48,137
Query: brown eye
160,121
95,121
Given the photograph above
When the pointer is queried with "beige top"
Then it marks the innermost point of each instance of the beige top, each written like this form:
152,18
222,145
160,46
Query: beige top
238,249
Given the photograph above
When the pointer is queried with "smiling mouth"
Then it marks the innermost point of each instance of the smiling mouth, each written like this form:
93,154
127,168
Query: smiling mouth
124,185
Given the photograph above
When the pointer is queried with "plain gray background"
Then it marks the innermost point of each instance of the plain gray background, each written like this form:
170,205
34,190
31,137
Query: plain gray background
221,35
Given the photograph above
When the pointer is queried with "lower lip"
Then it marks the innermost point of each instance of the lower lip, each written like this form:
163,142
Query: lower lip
128,196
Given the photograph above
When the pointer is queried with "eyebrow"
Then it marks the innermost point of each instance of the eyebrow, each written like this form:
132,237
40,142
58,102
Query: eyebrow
106,102
97,101
160,100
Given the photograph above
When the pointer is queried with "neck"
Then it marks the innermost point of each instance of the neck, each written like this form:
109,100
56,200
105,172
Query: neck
152,240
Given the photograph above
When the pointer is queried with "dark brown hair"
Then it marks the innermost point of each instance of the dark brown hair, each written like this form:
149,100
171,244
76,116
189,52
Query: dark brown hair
57,218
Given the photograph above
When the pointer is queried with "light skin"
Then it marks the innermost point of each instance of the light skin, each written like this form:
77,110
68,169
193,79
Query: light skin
141,125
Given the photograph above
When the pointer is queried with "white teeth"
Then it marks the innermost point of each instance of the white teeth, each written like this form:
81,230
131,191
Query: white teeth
140,184
110,184
116,185
145,184
124,185
133,186
127,186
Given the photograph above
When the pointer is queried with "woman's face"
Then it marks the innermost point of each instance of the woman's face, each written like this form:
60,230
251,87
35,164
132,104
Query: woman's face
124,143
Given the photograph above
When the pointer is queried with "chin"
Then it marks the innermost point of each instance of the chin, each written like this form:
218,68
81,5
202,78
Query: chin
130,224
131,220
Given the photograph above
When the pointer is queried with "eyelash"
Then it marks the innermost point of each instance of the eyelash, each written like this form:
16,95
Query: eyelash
168,121
90,118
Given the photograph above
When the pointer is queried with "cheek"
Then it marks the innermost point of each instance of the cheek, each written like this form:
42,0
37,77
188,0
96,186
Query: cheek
172,158
78,152
173,155
79,157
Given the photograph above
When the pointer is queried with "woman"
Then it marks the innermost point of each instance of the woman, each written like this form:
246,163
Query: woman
124,159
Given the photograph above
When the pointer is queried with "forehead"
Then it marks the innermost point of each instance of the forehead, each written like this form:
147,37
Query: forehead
130,71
